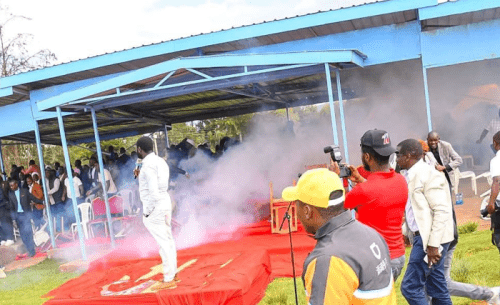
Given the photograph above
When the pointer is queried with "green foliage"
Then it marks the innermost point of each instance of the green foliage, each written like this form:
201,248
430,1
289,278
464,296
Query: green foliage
28,285
281,291
461,270
20,154
469,227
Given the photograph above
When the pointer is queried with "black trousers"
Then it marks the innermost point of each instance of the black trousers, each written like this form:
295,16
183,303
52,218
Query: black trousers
6,229
23,221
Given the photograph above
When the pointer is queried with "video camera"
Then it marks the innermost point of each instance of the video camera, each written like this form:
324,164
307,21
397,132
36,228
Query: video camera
484,212
336,155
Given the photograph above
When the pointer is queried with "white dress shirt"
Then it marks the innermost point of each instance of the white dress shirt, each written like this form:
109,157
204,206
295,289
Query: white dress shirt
409,215
495,167
153,184
76,183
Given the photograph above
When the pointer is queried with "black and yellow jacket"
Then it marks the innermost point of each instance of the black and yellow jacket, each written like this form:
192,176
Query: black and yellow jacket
349,265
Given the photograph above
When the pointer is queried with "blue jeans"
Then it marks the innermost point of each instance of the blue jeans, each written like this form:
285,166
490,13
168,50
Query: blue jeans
419,278
23,221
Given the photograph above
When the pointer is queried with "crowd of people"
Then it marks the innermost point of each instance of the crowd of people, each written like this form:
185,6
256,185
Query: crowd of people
118,173
22,200
357,260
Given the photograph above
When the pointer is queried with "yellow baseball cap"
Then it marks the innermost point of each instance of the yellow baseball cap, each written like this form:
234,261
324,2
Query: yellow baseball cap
314,188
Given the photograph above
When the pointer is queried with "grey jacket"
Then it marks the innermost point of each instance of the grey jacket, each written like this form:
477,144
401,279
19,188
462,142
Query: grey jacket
450,158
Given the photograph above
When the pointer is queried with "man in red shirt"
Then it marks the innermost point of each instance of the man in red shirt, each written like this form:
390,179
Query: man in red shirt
380,199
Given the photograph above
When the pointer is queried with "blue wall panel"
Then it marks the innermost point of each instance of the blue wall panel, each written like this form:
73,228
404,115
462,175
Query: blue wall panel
16,119
460,44
382,44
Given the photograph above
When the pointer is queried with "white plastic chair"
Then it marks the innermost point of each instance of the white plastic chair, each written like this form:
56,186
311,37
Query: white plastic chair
85,210
128,200
488,177
464,175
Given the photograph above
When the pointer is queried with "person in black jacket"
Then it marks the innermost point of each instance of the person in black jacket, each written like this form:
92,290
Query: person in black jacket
6,230
20,200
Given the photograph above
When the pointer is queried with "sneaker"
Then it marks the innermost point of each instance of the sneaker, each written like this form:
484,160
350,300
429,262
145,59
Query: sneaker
2,243
9,242
165,285
495,299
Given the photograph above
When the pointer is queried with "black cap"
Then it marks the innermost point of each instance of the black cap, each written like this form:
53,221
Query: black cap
378,140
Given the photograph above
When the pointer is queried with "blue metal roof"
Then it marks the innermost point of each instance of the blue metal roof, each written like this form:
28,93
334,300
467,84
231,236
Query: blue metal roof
385,31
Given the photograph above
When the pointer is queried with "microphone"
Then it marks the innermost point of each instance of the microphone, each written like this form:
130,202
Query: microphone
138,166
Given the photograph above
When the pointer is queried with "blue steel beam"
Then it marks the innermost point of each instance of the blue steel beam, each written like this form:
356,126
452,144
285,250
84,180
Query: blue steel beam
455,8
205,84
6,91
342,118
427,100
71,185
461,44
44,184
333,56
103,177
2,166
328,77
200,41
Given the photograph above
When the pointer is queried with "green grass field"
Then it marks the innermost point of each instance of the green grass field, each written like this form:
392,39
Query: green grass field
476,261
27,286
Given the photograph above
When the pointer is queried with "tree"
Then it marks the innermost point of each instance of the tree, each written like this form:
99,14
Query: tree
15,56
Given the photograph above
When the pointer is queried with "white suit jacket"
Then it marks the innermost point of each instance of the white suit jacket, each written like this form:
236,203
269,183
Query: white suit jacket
431,203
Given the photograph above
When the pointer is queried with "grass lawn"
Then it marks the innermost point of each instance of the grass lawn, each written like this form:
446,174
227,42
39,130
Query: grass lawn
27,286
475,261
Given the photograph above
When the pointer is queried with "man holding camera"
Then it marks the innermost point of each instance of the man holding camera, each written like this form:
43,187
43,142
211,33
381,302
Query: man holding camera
381,198
350,262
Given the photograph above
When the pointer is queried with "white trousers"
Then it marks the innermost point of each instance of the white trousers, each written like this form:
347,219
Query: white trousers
159,224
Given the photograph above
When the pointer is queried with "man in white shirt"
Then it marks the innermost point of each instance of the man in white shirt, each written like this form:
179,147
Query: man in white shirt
495,190
110,184
78,186
157,207
493,127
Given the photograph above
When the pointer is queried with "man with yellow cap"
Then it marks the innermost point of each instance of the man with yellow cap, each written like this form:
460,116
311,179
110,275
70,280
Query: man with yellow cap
350,263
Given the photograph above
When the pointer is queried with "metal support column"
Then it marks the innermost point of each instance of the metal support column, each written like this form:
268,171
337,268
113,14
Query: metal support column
67,162
332,106
167,143
1,162
44,184
103,177
427,102
342,118
287,114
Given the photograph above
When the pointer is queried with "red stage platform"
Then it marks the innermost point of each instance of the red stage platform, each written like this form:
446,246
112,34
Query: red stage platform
232,272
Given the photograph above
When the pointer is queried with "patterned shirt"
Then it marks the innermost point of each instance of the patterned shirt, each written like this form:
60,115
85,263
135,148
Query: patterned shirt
494,126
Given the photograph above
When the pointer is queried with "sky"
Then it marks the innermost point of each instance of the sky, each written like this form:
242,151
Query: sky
79,29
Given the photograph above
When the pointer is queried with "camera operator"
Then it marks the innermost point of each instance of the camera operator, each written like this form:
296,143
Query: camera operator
381,198
495,190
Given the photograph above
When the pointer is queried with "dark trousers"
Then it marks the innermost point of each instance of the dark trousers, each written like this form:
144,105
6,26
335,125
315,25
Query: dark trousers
495,239
419,278
38,217
23,221
6,229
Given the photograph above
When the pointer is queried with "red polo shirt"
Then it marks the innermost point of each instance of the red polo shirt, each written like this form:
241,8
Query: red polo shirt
380,203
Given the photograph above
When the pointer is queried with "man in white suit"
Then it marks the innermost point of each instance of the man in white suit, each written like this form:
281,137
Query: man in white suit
429,217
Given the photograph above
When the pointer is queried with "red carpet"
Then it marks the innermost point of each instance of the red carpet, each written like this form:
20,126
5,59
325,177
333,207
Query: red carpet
232,272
